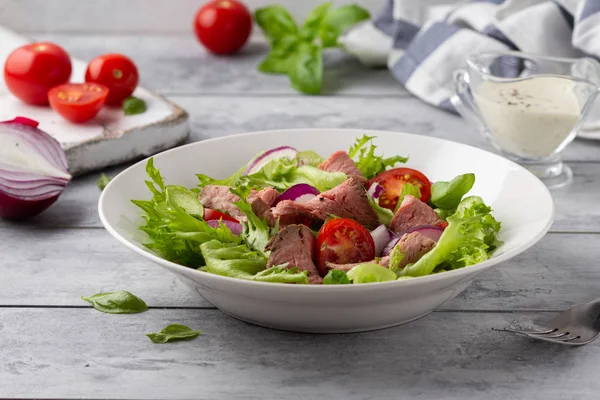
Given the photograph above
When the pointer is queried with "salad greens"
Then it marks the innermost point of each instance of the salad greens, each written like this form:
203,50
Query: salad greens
366,160
297,51
176,230
336,277
368,273
282,174
469,238
120,302
173,333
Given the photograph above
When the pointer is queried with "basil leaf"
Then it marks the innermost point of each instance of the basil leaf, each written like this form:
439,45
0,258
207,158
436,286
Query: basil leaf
336,277
306,71
447,195
280,58
120,302
103,181
312,24
133,105
275,22
173,333
338,21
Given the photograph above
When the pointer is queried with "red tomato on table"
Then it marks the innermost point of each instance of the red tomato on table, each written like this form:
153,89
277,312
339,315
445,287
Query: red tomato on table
343,241
32,70
77,102
392,182
223,26
210,214
115,71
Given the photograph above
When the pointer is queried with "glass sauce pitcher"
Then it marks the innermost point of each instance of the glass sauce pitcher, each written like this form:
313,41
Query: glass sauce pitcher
529,106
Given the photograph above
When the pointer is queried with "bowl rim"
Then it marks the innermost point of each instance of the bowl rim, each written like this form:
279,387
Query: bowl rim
465,271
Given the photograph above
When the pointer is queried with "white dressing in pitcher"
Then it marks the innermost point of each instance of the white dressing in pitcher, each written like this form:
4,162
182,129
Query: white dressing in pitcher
531,117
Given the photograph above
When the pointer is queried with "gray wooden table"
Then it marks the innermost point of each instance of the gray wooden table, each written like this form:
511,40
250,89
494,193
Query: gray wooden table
53,345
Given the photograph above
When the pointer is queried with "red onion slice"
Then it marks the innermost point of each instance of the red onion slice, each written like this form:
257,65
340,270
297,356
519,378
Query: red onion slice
234,227
33,169
300,193
381,236
273,154
375,190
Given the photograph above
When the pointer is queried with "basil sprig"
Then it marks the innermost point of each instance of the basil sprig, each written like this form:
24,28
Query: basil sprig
298,51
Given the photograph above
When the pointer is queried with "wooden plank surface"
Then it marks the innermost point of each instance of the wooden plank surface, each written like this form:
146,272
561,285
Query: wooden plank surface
64,265
453,356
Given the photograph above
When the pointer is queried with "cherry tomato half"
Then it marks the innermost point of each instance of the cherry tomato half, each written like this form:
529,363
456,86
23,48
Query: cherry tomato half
223,26
77,102
115,71
32,70
392,182
210,214
343,241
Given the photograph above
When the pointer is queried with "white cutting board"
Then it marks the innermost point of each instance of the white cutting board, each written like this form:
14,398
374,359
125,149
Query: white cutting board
111,137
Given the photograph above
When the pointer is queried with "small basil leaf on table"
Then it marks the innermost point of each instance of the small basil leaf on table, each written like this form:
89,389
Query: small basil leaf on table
172,333
103,181
447,195
306,70
338,21
276,22
120,302
278,61
133,105
310,29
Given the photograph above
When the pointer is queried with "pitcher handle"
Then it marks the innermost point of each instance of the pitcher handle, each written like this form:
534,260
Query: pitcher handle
462,99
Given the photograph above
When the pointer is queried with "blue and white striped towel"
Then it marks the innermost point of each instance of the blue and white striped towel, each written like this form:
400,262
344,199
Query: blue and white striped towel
424,58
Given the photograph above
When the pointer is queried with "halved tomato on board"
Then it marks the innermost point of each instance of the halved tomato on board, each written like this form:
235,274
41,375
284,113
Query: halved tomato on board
77,102
392,182
343,241
210,214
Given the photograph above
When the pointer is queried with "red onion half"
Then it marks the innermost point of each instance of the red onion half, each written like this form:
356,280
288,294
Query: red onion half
33,169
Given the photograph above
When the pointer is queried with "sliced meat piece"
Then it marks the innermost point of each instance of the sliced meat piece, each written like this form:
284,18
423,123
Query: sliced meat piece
413,213
340,161
267,195
383,261
261,202
289,212
347,200
295,245
220,198
414,245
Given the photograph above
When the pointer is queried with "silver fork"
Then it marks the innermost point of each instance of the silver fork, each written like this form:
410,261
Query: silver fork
577,326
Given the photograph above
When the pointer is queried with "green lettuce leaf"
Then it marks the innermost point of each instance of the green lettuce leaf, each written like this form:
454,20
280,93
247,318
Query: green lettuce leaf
256,232
369,273
369,163
238,261
470,238
336,277
408,189
309,157
385,215
173,222
396,257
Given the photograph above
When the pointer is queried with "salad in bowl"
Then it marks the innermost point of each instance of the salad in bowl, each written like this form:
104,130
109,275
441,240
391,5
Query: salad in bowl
294,216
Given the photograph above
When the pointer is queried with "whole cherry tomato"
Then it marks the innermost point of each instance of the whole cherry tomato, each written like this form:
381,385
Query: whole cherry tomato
115,71
78,102
32,70
223,26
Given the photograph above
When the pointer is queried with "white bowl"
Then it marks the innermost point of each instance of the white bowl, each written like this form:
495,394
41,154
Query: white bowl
520,201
